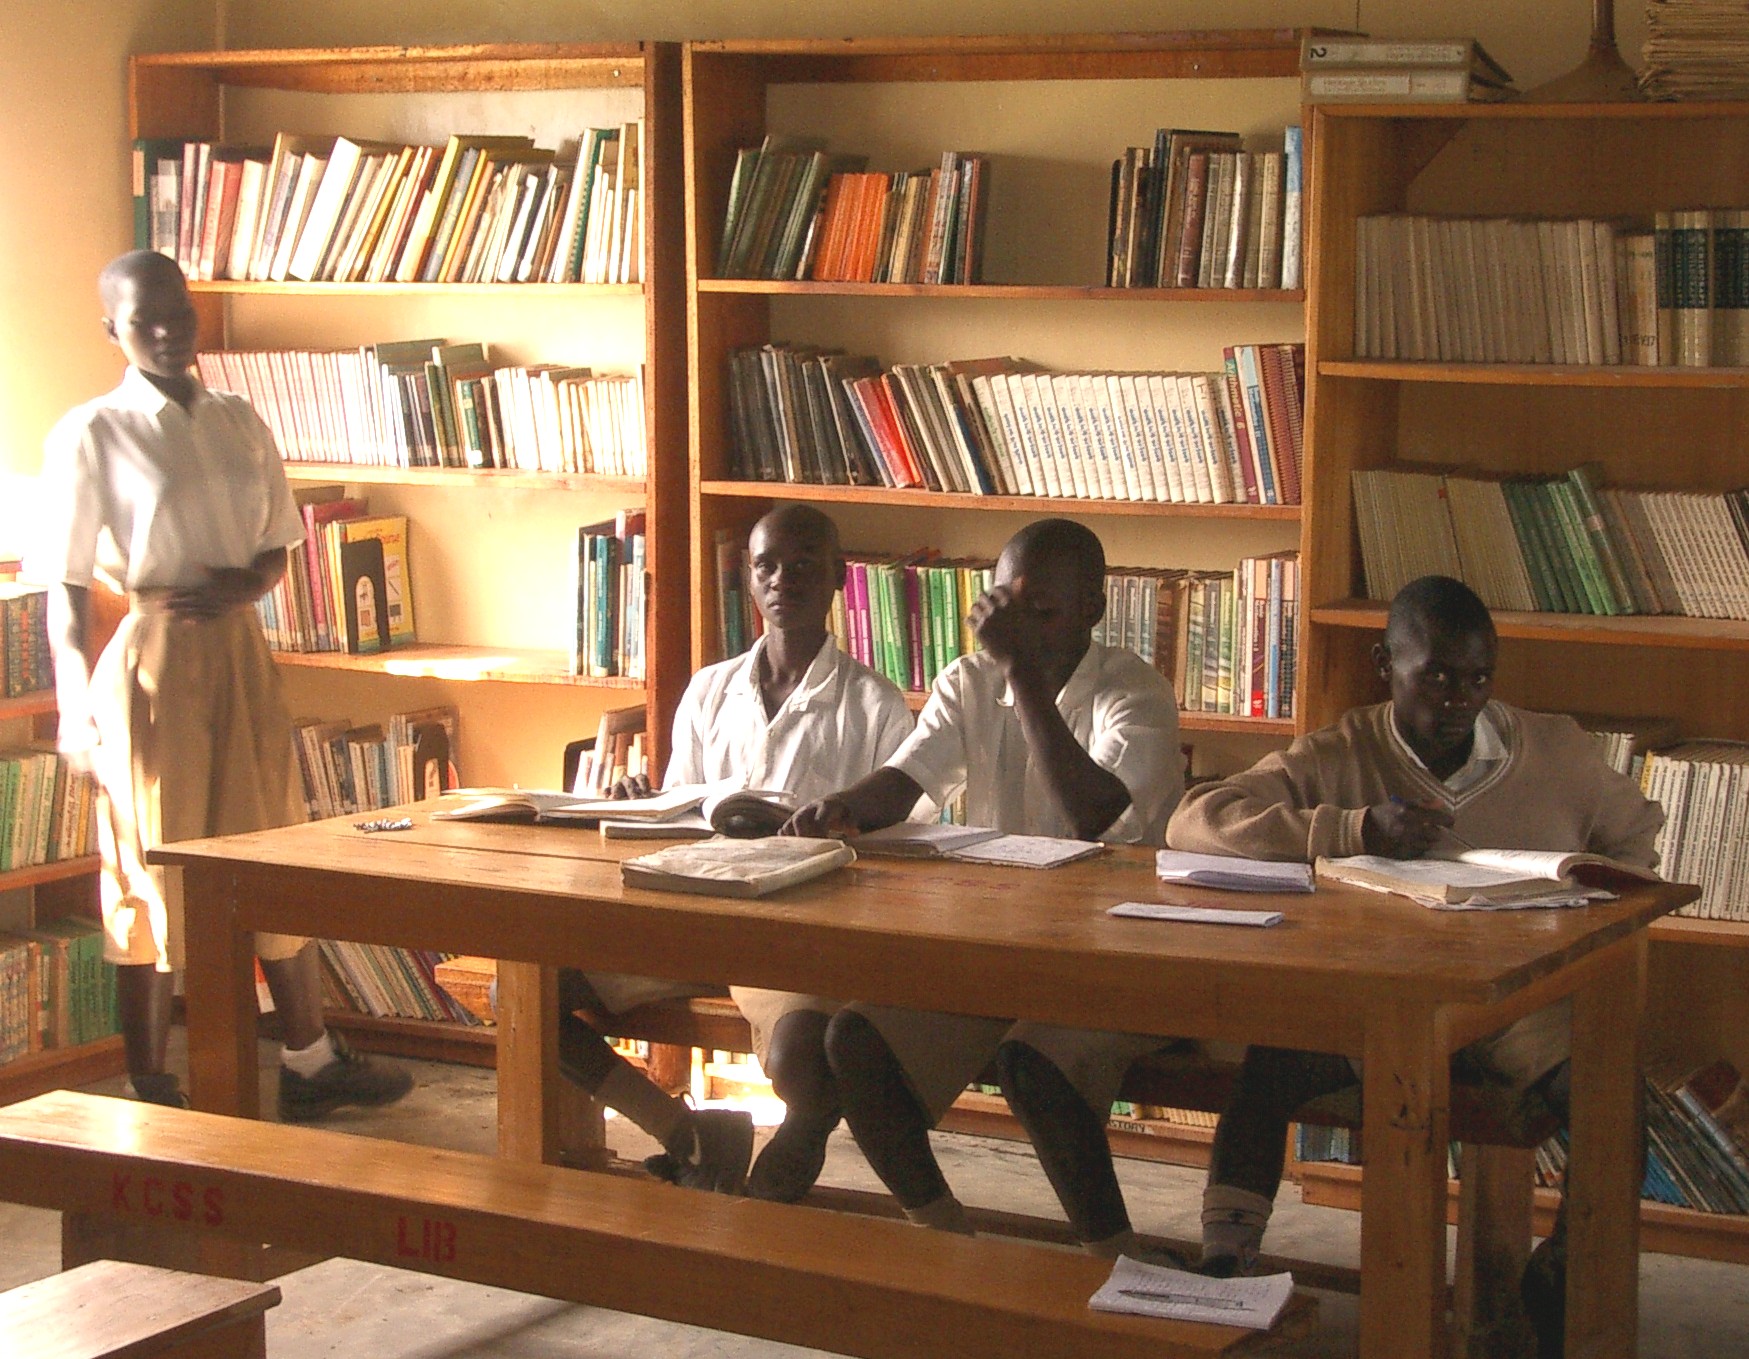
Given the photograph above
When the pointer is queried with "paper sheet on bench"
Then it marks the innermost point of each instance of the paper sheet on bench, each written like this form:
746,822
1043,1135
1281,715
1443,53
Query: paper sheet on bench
1196,915
1155,1291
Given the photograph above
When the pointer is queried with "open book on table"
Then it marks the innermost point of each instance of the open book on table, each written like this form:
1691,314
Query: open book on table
737,868
740,813
1480,879
974,844
536,804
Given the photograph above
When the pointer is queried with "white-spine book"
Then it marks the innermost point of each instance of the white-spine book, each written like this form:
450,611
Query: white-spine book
1583,238
374,169
249,192
1185,418
309,172
326,203
1035,467
1224,474
1366,340
1609,310
1465,287
1238,215
1105,469
1269,167
1056,395
1637,285
1003,431
1526,246
1554,302
527,188
1293,179
1217,218
1114,427
1229,432
1160,389
1048,426
1150,466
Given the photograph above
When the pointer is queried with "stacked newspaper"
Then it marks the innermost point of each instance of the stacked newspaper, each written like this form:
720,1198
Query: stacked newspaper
1696,49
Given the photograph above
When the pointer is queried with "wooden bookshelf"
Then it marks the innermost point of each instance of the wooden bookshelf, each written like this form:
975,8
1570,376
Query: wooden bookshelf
61,1069
903,101
1179,1144
1655,427
496,478
466,664
424,1039
38,704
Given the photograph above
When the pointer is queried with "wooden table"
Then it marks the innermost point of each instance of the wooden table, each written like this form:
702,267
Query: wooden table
1352,972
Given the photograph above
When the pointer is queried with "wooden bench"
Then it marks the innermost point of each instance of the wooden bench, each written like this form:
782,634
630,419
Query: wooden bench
836,1281
110,1309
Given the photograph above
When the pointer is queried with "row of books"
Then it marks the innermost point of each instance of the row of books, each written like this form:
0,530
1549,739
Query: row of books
347,769
1703,787
1226,639
1195,210
387,983
1005,426
796,211
347,586
1354,70
55,989
430,403
47,812
480,209
1696,49
611,589
1569,291
617,752
25,664
1562,544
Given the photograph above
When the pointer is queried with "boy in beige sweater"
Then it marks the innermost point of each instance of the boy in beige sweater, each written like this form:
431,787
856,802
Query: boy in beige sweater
1440,762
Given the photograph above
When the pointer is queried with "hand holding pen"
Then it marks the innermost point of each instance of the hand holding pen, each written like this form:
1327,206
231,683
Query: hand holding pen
1399,829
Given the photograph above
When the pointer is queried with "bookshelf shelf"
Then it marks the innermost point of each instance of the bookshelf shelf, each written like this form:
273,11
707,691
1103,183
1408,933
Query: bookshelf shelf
1028,504
38,704
1615,377
430,660
367,474
996,292
424,1039
60,871
1654,630
61,1069
572,291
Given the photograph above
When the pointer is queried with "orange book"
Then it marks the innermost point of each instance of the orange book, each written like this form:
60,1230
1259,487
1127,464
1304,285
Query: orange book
866,233
829,260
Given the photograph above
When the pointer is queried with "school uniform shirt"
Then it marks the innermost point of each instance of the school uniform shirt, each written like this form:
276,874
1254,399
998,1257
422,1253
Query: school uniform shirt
838,725
142,494
1120,709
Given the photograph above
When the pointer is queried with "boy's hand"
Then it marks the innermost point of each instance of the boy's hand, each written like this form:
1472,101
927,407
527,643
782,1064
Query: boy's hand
1403,830
632,786
827,819
1003,624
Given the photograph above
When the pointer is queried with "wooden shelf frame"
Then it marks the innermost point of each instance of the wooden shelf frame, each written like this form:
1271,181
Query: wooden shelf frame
725,85
470,664
60,870
37,704
183,94
61,1068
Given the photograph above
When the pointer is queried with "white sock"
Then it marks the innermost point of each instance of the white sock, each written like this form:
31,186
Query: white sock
308,1061
1233,1222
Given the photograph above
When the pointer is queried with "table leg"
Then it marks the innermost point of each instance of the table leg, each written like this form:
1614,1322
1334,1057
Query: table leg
220,993
1403,1192
532,1122
1603,1164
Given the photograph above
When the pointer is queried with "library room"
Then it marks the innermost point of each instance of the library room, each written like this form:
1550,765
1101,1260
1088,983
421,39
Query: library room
440,915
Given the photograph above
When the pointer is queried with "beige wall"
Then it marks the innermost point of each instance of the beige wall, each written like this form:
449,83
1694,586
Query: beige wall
64,200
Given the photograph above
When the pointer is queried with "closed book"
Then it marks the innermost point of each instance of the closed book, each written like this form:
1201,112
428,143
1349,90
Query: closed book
1319,53
737,868
1397,85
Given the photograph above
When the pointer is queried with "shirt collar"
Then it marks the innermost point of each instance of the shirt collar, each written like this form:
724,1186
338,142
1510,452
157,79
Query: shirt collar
139,391
814,684
1488,747
1078,689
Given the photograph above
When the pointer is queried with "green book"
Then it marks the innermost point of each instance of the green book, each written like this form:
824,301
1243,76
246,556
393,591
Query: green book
1537,567
1599,599
1582,483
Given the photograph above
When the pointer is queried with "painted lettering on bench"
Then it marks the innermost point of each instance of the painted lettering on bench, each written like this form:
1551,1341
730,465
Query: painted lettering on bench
433,1239
178,1200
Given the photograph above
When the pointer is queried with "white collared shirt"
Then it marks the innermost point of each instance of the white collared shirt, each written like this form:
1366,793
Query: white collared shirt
838,725
140,493
1487,750
1120,709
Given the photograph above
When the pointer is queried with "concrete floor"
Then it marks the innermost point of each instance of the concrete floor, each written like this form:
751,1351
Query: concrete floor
1689,1309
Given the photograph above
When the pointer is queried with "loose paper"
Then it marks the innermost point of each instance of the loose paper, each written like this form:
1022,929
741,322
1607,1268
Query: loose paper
1155,1291
1232,874
1199,915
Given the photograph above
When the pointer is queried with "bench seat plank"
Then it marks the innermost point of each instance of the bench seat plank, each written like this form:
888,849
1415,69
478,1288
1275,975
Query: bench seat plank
854,1285
109,1309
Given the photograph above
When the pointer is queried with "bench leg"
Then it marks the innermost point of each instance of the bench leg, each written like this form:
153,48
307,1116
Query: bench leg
1493,1243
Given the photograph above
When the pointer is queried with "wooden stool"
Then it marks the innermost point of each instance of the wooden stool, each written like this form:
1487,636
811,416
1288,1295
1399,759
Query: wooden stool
111,1310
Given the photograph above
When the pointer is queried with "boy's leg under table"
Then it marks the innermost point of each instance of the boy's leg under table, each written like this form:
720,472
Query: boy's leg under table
1406,1134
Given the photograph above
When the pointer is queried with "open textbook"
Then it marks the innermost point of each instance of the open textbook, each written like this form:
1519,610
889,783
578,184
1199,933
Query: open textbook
974,844
1178,1295
737,868
532,804
1481,879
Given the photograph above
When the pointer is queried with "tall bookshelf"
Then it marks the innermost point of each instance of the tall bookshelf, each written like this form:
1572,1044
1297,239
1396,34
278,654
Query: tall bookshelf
491,552
1051,112
1657,428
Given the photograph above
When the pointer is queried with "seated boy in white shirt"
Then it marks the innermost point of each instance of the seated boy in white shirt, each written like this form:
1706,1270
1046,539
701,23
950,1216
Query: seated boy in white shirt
794,714
1049,733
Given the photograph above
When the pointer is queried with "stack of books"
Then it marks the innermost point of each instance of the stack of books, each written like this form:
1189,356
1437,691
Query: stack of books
48,813
1696,49
347,586
25,664
55,989
797,212
480,209
1562,544
1005,426
431,403
1362,70
610,592
1703,787
1195,210
1671,291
